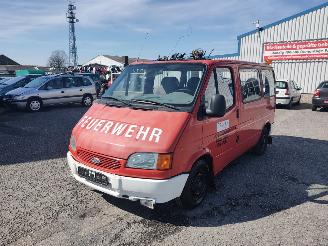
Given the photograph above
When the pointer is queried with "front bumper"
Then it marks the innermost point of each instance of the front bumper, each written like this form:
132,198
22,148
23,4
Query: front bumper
134,189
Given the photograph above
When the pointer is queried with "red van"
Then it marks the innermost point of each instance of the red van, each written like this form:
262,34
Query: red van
164,129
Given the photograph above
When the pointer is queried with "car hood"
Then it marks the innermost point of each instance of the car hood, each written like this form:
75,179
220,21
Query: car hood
119,132
22,91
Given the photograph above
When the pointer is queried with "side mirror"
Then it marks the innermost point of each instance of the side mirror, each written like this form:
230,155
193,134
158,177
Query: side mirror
217,106
299,88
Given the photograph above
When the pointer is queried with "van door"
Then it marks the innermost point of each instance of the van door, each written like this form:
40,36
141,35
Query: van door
252,108
220,133
52,92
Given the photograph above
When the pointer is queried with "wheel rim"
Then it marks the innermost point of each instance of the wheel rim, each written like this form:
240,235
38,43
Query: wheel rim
199,185
87,101
35,105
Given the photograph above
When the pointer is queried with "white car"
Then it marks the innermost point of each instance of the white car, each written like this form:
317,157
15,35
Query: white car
287,92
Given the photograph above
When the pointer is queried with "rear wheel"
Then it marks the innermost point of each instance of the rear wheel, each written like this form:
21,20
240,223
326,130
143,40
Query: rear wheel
87,100
290,104
299,101
196,186
314,108
262,144
34,105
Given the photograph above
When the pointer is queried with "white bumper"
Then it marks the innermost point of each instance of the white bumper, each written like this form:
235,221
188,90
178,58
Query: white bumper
284,101
156,191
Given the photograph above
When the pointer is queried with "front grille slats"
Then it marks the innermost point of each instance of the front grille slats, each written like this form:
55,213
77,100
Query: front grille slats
105,162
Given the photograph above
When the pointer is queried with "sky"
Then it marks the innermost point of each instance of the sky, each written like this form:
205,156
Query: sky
31,29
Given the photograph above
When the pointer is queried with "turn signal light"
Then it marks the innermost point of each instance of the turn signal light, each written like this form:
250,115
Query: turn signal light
164,161
287,92
316,93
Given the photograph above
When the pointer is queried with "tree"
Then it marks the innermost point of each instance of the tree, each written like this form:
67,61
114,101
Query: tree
58,60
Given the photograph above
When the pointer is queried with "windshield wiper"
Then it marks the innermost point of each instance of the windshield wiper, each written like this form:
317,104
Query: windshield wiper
116,99
147,101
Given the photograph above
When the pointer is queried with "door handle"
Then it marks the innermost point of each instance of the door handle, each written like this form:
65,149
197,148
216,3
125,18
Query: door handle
62,91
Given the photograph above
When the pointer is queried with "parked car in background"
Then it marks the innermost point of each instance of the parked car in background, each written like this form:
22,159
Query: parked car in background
51,90
9,84
320,96
96,79
287,93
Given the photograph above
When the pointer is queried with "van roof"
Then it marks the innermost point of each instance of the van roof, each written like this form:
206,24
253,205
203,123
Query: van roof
207,62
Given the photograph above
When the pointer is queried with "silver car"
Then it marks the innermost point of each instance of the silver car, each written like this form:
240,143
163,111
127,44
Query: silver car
51,90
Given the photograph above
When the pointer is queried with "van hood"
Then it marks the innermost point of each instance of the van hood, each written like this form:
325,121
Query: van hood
119,132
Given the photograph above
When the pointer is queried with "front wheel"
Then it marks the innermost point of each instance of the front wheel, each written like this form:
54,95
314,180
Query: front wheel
34,105
262,144
87,100
196,186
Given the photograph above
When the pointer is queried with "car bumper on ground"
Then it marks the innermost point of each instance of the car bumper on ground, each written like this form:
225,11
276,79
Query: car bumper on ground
147,191
320,102
282,100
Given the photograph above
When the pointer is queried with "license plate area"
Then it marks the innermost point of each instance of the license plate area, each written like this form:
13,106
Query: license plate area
93,176
325,101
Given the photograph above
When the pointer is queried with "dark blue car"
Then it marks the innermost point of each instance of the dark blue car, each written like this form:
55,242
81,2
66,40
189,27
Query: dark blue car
7,85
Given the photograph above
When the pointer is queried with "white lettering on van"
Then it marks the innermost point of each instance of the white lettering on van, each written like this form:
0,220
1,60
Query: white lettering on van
99,125
86,122
130,130
118,129
143,133
91,124
107,127
82,120
155,133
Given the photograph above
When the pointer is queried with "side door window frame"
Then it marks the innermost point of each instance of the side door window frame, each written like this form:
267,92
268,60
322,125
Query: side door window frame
260,84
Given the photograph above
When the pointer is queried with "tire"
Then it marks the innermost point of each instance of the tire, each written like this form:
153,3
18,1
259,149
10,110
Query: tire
87,100
34,104
197,185
314,108
262,145
290,104
299,101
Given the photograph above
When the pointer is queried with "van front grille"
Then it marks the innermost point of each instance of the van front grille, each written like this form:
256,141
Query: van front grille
98,161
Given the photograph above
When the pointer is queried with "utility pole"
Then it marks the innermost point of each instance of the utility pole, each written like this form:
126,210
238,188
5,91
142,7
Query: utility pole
70,15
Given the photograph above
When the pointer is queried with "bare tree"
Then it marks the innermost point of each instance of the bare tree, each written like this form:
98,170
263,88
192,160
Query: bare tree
58,60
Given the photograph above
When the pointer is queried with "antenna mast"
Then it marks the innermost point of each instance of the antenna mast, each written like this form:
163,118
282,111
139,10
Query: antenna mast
71,19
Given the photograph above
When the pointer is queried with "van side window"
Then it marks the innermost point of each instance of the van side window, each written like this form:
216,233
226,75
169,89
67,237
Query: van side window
250,84
221,83
56,83
225,85
268,83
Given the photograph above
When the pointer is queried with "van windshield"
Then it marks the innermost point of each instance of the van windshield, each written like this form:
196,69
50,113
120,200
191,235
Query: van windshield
174,84
36,83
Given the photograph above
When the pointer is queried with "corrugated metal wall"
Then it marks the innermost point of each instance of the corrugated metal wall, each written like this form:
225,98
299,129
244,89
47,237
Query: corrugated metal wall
312,25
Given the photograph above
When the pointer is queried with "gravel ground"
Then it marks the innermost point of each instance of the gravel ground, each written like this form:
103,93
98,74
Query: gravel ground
280,198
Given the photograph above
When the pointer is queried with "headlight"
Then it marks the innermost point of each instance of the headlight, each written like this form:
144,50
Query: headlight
152,161
72,143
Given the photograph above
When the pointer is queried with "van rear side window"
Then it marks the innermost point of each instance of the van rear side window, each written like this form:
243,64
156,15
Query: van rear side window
250,84
268,82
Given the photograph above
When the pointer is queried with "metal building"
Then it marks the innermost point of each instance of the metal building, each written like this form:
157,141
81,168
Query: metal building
296,47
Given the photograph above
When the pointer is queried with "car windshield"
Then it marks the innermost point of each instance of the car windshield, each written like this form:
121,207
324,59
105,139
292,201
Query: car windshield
281,85
161,84
11,81
35,83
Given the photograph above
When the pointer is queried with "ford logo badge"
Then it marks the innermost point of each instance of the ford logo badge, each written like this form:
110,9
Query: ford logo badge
95,160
